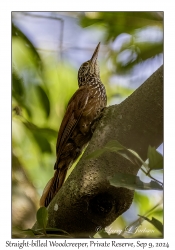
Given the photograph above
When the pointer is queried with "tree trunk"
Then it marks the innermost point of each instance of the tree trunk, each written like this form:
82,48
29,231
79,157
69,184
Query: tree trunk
87,201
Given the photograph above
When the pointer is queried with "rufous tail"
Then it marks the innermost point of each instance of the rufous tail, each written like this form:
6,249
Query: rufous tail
53,187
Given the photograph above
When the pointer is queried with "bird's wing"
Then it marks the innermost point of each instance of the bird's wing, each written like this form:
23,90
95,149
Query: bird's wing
73,113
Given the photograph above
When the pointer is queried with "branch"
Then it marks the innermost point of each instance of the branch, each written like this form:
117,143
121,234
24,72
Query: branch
87,201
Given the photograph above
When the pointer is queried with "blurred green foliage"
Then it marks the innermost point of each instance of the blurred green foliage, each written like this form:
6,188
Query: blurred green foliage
135,48
41,89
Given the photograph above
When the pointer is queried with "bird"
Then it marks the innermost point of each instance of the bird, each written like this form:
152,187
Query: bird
83,111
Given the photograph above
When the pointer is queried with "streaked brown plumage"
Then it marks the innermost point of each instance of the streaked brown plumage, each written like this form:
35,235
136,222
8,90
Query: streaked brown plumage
78,124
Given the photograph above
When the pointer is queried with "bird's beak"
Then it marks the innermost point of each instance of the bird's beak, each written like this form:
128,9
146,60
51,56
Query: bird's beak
95,54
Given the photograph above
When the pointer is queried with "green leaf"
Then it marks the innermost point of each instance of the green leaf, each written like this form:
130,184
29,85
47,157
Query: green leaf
155,223
44,99
139,158
148,49
28,232
103,234
54,236
155,159
17,232
16,32
115,146
42,143
95,154
41,135
132,182
18,91
112,145
56,231
129,154
42,217
51,233
17,85
43,131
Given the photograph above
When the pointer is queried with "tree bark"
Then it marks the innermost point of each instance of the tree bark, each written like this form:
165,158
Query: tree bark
87,201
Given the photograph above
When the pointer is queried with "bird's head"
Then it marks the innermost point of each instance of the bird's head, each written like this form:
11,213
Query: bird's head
89,68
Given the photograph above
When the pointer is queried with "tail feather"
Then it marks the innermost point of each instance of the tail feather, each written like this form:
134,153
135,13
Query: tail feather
53,187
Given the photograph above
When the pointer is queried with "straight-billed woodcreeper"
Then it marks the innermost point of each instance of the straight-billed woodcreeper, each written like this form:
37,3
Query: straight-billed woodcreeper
83,110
